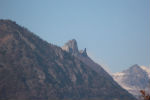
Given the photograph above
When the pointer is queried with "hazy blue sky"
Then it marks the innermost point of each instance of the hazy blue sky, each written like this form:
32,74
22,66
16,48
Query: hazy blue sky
116,33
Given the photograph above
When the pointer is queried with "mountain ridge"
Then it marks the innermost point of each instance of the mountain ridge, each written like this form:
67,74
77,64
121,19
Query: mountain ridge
31,68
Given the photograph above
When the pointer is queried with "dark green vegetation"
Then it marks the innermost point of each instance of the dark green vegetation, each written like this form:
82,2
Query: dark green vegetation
32,69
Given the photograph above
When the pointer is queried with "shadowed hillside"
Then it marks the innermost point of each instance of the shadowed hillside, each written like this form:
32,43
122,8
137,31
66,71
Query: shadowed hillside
32,69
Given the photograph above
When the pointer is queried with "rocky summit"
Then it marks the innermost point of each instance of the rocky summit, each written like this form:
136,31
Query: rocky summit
33,69
71,47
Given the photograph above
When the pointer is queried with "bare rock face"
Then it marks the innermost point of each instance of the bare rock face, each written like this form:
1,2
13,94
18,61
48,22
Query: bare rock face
83,52
32,69
71,47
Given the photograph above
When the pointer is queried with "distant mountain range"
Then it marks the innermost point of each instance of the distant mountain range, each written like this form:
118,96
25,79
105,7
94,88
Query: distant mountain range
134,79
33,69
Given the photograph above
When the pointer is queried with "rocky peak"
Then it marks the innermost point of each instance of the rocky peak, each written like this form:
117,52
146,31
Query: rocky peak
71,47
135,66
83,52
134,69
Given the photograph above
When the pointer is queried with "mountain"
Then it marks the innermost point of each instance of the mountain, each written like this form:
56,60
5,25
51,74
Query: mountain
33,69
134,79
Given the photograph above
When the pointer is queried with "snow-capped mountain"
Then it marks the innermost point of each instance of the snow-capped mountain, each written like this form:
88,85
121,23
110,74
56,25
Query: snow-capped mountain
133,79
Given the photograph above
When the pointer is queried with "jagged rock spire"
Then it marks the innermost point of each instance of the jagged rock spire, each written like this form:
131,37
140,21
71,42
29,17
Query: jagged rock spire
83,52
71,47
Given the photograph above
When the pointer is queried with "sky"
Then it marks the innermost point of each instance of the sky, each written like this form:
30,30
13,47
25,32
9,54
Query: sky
116,33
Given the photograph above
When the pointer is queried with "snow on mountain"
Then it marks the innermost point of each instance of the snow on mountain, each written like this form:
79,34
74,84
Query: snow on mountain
146,69
133,79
